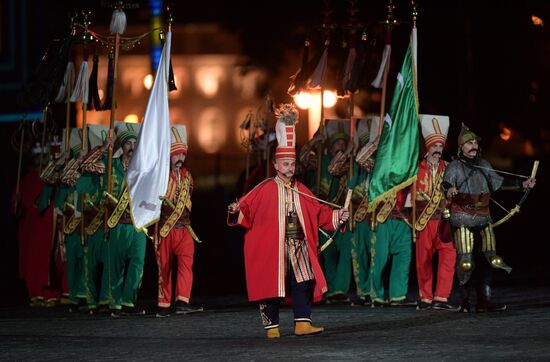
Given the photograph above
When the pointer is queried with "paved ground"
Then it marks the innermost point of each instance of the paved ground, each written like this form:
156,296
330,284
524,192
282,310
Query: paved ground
229,329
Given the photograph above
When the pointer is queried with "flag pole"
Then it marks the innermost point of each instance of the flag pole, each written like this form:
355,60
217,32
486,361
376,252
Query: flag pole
117,27
69,90
390,22
413,193
351,159
19,165
43,139
85,97
268,111
321,145
113,111
250,139
84,144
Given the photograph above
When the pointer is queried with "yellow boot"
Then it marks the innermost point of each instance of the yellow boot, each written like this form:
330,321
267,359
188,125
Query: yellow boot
36,302
305,329
273,333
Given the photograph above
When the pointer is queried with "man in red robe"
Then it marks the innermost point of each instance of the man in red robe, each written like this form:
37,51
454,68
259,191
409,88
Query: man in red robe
281,218
430,206
35,234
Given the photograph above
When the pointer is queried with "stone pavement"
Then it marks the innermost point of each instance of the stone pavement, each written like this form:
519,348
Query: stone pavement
229,329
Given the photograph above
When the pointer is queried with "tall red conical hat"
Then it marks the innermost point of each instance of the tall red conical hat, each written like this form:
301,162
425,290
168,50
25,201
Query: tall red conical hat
287,117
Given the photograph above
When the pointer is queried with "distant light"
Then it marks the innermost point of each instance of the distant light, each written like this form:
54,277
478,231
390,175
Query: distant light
148,81
211,129
131,118
505,134
528,148
303,100
101,93
537,21
329,98
208,79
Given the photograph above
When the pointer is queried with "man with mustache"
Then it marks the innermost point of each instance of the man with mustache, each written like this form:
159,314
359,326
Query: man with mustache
469,182
175,233
124,251
430,207
281,218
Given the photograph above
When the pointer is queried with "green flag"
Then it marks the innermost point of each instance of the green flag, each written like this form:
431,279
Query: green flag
396,161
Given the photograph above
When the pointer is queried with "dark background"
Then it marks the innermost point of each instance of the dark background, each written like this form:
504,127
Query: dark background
480,62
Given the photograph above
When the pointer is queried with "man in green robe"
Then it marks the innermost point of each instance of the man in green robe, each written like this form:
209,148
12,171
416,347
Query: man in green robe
124,252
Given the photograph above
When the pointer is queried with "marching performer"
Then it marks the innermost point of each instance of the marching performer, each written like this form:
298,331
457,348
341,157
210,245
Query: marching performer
125,245
336,258
35,233
67,200
430,220
281,218
175,234
87,226
362,232
469,182
391,238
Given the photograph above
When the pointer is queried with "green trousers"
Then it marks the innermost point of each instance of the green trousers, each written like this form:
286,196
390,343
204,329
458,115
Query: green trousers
392,239
360,255
123,257
93,257
337,263
75,271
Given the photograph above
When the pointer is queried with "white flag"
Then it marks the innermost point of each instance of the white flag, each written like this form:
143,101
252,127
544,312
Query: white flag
149,168
377,82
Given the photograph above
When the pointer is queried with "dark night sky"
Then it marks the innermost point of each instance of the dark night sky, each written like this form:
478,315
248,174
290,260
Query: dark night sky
481,62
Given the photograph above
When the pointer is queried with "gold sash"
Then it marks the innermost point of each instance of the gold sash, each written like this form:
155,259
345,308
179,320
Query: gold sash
386,209
180,207
120,208
342,186
92,227
71,225
432,206
361,212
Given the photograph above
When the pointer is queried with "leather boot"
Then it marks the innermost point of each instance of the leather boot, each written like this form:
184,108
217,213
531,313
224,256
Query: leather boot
465,305
273,333
484,303
305,329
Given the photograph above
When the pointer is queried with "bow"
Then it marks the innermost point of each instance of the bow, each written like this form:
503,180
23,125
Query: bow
518,206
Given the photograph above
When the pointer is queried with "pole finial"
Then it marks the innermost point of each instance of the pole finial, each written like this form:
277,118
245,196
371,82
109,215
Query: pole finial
414,12
169,16
390,18
86,14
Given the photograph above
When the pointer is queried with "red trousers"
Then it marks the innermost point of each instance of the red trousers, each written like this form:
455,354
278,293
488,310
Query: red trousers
177,244
427,243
